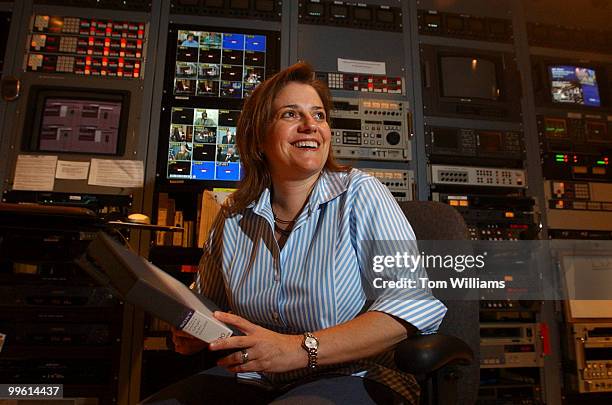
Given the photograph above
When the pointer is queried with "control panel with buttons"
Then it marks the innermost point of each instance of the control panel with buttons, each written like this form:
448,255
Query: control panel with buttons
478,176
399,182
370,129
592,353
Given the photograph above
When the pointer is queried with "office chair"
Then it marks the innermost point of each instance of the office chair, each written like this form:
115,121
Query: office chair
444,363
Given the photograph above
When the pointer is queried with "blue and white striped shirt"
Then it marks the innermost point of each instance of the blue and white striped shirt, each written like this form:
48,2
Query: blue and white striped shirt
322,276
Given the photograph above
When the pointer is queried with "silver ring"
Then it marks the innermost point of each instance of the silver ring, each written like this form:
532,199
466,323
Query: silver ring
245,356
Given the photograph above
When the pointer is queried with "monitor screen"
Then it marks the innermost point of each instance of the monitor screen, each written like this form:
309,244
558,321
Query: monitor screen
489,141
202,144
574,85
433,21
597,131
218,64
384,16
315,9
555,127
362,13
445,138
264,5
338,12
468,77
77,121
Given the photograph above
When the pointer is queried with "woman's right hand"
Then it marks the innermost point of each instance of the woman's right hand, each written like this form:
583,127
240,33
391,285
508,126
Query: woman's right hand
186,344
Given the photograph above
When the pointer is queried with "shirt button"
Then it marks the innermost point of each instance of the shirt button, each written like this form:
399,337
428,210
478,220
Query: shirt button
275,315
277,277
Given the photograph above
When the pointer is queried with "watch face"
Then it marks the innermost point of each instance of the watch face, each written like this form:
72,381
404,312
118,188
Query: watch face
311,342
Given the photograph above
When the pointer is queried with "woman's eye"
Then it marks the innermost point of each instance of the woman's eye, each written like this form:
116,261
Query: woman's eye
319,115
288,114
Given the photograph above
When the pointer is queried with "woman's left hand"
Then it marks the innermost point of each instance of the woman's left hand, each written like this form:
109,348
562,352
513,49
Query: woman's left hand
267,350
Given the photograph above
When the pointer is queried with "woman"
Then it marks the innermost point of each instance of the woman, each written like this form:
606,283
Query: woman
287,257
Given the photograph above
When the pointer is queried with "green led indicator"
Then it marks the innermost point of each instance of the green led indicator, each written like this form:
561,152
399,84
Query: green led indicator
601,162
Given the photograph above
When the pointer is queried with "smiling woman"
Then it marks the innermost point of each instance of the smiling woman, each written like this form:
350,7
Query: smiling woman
273,112
287,257
298,141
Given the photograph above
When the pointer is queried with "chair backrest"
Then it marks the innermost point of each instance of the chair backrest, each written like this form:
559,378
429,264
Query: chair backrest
431,220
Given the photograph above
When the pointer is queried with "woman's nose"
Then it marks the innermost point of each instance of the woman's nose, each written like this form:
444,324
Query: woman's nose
308,125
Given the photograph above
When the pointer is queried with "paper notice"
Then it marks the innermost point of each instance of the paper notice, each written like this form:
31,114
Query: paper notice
116,173
71,170
361,66
35,172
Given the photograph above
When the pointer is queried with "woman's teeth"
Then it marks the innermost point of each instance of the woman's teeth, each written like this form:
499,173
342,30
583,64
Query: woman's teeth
306,144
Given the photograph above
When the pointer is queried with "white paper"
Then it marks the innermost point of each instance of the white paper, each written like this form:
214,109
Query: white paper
71,170
35,172
202,323
361,66
116,173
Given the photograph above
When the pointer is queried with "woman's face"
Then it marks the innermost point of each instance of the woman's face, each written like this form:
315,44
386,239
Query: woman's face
298,140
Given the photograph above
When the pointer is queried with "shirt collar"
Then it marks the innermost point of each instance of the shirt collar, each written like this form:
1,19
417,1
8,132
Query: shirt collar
329,186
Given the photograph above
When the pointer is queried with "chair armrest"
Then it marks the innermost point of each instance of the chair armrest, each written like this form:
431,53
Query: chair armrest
424,354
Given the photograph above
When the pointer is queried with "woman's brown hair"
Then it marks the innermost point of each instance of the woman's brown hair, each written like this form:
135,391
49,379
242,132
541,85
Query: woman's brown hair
253,125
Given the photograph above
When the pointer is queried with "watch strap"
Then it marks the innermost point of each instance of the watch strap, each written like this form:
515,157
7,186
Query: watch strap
311,351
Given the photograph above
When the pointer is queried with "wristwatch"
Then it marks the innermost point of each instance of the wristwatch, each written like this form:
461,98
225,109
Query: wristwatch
311,345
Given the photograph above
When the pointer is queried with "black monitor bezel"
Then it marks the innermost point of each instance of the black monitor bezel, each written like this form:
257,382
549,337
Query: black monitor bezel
34,114
542,86
169,100
507,107
573,105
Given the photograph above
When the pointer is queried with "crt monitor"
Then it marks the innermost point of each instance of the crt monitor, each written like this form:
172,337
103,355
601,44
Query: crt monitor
87,121
574,85
468,77
470,83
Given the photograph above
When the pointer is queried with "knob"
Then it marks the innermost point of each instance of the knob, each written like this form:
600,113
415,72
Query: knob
393,138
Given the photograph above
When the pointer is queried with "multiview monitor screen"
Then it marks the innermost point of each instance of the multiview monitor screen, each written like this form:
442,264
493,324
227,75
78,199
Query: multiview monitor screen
574,85
202,145
84,126
468,77
71,120
218,64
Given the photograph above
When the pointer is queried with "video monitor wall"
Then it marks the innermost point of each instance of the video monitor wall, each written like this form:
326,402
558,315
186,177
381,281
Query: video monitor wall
218,64
202,144
209,72
575,85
